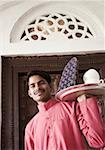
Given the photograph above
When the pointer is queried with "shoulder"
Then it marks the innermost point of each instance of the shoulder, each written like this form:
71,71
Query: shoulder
68,103
66,106
31,124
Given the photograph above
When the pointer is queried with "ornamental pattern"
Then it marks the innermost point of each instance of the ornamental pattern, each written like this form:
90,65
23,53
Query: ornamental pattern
45,25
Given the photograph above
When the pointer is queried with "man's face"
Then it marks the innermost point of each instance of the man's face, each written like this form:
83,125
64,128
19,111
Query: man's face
39,89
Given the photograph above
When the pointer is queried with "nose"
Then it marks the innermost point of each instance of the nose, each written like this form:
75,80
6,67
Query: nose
36,86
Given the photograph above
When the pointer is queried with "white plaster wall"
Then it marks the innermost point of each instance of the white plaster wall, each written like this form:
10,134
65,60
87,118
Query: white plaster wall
93,9
0,100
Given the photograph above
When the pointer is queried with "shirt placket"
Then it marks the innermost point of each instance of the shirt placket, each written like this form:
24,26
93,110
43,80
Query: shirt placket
52,144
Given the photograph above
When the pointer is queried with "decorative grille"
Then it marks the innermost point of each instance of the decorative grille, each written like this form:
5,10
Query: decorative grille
45,25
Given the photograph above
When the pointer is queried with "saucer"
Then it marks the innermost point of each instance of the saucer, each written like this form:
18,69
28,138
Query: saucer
71,93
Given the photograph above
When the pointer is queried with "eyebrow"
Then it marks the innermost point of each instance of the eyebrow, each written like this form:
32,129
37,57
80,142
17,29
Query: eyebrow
37,82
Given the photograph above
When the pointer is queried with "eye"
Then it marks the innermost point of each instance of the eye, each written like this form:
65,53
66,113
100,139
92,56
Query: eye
42,82
32,86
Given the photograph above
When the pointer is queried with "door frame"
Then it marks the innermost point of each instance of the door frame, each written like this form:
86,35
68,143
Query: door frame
12,66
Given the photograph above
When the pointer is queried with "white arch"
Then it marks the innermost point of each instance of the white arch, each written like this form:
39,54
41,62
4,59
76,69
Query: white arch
62,7
16,15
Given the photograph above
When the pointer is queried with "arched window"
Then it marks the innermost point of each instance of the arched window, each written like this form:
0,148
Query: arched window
69,21
43,26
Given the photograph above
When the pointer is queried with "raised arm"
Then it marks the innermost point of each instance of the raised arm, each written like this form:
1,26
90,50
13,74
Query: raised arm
90,121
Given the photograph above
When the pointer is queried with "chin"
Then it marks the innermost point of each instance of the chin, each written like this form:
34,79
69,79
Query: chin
42,100
39,100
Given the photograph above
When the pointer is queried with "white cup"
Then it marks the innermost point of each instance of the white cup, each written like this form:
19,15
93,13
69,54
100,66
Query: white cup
92,76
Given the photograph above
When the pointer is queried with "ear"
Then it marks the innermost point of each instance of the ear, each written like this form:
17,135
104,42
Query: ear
51,85
52,89
29,93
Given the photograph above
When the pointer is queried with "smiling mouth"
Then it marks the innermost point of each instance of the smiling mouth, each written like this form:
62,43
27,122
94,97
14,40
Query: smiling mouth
38,93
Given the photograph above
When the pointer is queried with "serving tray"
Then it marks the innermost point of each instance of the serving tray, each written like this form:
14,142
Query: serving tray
71,93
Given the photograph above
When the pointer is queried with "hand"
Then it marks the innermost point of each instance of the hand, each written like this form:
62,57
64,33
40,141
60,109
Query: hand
84,97
81,98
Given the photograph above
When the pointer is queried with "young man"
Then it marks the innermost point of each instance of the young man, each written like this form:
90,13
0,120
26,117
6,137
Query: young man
61,125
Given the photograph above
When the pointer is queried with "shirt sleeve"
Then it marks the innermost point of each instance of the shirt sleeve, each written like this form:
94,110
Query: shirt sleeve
29,142
91,123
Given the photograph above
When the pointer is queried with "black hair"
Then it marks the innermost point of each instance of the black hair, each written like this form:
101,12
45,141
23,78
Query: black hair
43,74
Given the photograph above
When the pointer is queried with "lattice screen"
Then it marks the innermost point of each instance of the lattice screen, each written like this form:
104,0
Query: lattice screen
43,26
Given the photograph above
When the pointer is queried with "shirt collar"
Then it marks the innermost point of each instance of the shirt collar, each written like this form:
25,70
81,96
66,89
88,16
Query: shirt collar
45,106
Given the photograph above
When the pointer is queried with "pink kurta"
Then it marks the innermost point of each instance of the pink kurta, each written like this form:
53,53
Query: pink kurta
59,126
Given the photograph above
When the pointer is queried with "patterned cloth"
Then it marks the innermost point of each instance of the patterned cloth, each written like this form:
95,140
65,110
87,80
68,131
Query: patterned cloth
69,73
